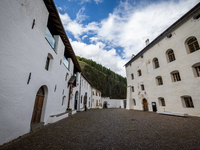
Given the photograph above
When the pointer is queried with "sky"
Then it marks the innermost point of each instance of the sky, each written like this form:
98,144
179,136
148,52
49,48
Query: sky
110,31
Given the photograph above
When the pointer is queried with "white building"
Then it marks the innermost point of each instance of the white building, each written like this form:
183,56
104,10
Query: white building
113,103
85,91
165,75
96,98
40,74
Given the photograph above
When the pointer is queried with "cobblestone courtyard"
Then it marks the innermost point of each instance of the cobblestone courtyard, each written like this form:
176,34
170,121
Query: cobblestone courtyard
114,129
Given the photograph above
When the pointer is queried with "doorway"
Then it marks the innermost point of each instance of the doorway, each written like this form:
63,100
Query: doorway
37,111
76,100
145,105
105,105
154,106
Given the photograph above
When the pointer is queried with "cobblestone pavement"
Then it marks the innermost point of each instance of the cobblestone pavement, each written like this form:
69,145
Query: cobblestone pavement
114,129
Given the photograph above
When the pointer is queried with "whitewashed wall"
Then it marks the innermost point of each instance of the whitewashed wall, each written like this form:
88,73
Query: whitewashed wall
85,88
113,103
24,50
95,97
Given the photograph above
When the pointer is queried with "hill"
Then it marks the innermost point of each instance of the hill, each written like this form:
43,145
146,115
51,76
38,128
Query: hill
108,82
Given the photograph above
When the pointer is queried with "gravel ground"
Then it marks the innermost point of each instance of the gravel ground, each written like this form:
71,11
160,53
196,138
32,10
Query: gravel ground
114,129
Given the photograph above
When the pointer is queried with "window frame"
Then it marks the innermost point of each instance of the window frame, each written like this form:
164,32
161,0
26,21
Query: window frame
171,56
193,44
142,87
188,103
156,63
139,72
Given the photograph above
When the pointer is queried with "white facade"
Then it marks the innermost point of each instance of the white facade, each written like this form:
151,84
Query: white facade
96,98
85,97
113,103
177,95
23,59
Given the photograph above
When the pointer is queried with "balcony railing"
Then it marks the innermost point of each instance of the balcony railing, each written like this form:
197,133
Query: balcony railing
50,38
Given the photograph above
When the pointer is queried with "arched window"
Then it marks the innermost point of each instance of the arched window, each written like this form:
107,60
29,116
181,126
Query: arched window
49,57
132,88
156,63
175,76
139,73
159,80
187,101
132,76
142,87
196,69
63,100
134,102
161,101
171,56
193,44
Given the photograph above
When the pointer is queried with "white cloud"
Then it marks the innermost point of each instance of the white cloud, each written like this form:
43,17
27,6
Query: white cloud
98,1
127,27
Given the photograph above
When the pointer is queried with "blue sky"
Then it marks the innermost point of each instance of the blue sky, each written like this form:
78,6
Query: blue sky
110,31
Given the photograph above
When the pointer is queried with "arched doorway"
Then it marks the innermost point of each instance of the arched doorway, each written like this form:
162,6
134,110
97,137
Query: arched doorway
37,111
105,105
76,100
145,105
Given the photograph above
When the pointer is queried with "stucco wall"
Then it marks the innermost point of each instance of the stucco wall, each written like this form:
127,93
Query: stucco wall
170,91
96,97
112,103
24,50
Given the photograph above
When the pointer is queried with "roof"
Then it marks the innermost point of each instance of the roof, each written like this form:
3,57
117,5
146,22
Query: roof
86,79
54,16
72,80
174,26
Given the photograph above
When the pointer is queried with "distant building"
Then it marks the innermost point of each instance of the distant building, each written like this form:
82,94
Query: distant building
165,75
96,98
86,89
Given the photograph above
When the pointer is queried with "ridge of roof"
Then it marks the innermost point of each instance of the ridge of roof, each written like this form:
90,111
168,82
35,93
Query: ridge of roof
174,26
51,7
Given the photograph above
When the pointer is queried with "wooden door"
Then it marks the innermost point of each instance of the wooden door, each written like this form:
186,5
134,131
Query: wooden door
145,105
37,111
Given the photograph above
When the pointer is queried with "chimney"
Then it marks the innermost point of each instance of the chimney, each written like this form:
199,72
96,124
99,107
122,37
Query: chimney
133,55
147,42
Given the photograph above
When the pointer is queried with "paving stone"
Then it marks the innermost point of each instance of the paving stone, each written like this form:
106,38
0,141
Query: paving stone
114,129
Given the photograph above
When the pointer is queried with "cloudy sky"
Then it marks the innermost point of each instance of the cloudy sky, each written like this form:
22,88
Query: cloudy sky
110,31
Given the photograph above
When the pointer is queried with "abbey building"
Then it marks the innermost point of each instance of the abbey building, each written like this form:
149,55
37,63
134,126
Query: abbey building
165,76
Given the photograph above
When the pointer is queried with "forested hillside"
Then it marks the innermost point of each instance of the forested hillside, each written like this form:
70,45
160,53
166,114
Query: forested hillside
111,84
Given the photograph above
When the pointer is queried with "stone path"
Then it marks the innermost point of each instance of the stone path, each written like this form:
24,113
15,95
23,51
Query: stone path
114,129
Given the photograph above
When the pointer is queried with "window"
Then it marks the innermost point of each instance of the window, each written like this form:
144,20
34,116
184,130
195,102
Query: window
159,80
139,73
132,88
171,55
96,102
193,45
188,101
197,70
47,63
63,100
134,102
66,76
156,63
132,76
49,38
66,62
175,76
142,87
162,101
